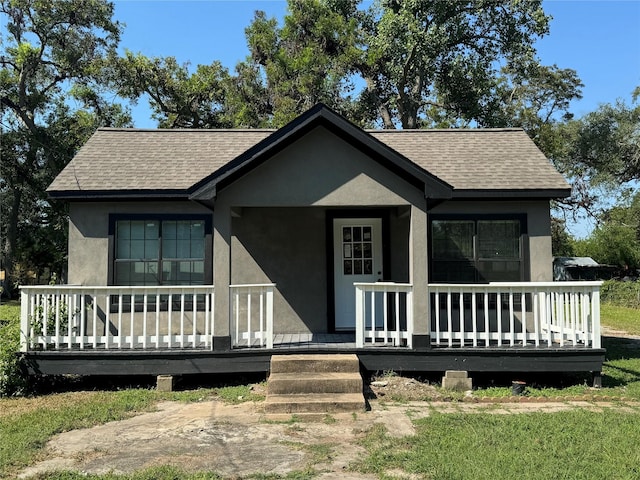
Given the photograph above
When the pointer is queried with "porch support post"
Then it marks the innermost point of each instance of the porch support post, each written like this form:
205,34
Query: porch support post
221,276
418,259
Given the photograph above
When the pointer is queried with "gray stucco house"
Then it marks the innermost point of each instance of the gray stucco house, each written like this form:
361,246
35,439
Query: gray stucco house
197,251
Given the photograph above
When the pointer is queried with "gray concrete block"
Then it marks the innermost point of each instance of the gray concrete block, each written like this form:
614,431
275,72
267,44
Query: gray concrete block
165,383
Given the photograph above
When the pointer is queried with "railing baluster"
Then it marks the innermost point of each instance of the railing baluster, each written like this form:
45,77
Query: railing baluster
499,317
170,320
437,310
249,318
449,319
157,321
83,320
512,327
523,323
461,317
487,334
119,338
145,307
385,319
537,309
474,319
182,334
261,318
194,302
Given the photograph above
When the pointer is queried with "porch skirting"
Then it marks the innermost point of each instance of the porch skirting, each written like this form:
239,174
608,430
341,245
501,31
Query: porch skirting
189,362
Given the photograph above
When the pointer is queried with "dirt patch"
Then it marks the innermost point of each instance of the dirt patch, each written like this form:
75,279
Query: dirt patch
396,388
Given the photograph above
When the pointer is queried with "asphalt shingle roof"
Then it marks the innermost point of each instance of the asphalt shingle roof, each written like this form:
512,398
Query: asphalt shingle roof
175,160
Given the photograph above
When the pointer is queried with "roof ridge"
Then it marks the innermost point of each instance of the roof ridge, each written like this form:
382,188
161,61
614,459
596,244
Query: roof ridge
452,130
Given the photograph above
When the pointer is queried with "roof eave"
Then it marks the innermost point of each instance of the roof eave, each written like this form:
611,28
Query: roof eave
78,195
548,193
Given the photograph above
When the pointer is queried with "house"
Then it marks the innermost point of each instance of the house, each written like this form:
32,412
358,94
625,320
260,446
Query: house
203,251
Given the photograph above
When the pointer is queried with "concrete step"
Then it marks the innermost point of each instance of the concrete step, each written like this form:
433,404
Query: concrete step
315,382
314,363
316,403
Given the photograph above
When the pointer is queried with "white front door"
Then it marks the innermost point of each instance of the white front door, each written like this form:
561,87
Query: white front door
357,247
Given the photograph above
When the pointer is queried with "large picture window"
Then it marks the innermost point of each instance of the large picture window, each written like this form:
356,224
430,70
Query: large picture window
156,250
476,250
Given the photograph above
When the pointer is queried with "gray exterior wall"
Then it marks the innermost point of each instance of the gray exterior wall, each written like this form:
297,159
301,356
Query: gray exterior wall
89,229
538,226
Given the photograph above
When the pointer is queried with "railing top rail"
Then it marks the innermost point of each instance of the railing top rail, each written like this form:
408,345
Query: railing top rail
496,285
117,288
253,285
381,284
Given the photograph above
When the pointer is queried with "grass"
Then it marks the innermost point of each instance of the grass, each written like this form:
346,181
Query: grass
620,318
575,444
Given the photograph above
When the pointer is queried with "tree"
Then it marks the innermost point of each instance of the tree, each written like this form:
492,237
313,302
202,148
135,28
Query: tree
562,243
178,98
309,59
52,55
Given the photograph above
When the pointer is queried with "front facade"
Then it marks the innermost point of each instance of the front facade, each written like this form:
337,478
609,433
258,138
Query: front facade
206,251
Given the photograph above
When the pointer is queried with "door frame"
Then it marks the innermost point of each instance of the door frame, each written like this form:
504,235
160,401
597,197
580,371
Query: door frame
331,214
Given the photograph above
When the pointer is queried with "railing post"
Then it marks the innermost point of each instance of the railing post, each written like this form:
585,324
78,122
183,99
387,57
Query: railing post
360,299
269,312
24,321
595,315
409,302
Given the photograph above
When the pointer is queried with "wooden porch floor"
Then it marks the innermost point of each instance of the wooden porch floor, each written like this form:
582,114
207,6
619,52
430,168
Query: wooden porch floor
315,341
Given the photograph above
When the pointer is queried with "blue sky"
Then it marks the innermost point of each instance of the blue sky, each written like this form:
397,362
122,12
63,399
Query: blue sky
599,39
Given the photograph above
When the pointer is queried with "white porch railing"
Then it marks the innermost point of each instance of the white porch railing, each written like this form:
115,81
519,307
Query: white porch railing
252,315
384,314
549,314
102,318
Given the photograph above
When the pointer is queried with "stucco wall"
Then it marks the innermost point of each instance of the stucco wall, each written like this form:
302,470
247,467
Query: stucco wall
320,170
538,226
88,234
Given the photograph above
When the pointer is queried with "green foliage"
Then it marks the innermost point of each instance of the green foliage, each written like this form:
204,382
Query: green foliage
562,243
12,379
611,244
178,98
577,444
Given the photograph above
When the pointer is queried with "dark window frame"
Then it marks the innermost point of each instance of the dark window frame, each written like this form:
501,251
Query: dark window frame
525,273
208,241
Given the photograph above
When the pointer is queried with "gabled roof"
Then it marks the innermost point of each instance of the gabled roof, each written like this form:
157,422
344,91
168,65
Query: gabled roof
133,163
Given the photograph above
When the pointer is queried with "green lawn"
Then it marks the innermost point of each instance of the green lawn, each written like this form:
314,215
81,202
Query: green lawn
620,318
577,444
